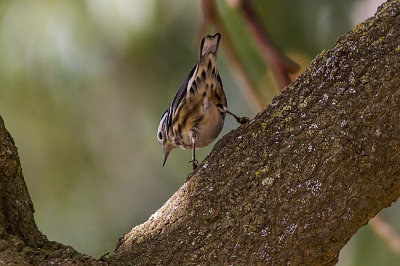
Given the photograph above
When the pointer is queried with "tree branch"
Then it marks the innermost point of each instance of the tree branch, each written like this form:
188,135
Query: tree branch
386,232
298,181
281,65
21,243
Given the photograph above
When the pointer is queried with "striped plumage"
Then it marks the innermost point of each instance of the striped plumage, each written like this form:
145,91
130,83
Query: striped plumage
196,116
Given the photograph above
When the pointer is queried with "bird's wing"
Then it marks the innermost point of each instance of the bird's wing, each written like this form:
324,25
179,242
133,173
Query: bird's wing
180,94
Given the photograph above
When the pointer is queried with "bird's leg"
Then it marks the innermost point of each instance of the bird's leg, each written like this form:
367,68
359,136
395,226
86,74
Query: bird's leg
194,162
240,120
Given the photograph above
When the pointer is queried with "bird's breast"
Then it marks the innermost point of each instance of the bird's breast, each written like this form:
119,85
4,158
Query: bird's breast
210,126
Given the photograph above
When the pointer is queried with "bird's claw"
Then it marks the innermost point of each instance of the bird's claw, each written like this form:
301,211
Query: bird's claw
242,120
195,163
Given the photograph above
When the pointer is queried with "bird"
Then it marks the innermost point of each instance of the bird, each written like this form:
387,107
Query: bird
197,113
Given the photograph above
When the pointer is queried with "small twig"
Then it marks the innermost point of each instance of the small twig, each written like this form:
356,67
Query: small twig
249,89
386,232
280,64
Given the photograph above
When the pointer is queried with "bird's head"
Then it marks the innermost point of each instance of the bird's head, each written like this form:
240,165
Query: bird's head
162,136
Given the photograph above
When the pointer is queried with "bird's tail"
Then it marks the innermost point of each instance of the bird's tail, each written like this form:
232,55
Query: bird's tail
209,44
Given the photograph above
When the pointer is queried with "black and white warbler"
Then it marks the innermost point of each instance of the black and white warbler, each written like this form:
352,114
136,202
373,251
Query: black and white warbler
196,115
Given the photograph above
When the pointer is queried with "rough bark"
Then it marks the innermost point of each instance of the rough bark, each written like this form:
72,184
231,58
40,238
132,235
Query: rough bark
297,182
292,186
20,240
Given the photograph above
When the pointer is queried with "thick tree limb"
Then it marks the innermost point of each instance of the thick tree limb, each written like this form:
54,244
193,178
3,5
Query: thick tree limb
297,182
291,186
20,240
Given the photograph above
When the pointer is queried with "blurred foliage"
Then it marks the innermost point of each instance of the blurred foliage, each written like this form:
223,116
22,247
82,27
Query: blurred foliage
83,85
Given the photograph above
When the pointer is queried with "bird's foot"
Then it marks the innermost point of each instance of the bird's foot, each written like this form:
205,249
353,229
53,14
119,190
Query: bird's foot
195,163
242,120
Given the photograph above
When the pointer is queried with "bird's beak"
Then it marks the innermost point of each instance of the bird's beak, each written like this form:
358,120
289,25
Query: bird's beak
165,156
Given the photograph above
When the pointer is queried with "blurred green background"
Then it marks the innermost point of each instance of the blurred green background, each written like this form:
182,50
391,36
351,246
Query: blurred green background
83,85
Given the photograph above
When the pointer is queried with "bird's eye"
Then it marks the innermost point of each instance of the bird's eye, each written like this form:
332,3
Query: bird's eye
160,135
